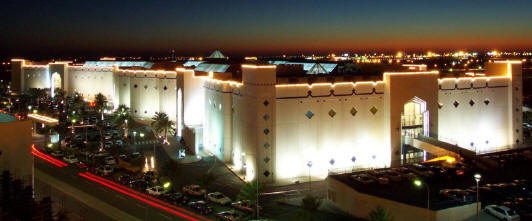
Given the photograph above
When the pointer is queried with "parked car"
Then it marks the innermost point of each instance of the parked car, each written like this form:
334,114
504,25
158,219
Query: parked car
173,196
457,194
119,142
150,177
362,178
104,170
194,190
101,154
501,212
201,207
243,205
124,179
138,184
218,198
70,158
392,175
155,190
57,153
230,215
110,160
81,165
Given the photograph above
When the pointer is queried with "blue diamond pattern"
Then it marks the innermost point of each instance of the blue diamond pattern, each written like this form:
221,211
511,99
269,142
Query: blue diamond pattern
309,114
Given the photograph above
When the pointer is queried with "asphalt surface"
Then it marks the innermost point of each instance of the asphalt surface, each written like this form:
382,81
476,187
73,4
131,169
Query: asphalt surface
131,206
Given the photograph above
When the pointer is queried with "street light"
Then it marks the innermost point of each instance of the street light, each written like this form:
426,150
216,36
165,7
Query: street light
309,165
134,140
420,183
477,178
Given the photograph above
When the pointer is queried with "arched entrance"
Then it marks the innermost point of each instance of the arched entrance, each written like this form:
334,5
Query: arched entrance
55,83
414,122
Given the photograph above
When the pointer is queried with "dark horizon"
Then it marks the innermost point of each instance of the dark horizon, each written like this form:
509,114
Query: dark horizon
36,29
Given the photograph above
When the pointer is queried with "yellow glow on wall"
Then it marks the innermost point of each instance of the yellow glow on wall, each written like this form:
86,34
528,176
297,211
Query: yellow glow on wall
374,83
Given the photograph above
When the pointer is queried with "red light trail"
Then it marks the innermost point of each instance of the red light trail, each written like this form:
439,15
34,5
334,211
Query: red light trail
46,157
133,194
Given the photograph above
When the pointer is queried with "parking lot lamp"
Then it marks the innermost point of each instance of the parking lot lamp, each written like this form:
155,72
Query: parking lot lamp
477,178
420,183
134,140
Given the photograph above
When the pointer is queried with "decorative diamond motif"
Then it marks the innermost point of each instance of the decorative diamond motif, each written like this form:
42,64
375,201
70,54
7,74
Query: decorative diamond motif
266,159
266,131
266,103
486,101
440,106
331,162
332,113
267,173
353,111
373,110
266,145
456,103
266,117
309,114
471,102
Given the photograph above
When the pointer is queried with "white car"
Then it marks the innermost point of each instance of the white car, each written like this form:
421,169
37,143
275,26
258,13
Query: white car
71,159
502,212
155,190
194,190
219,198
57,153
110,160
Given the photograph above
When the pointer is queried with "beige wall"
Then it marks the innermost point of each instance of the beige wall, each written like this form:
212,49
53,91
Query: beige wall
360,204
15,144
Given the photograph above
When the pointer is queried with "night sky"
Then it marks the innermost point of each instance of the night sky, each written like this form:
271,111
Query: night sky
150,27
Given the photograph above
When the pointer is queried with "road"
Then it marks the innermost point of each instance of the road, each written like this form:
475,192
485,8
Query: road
113,204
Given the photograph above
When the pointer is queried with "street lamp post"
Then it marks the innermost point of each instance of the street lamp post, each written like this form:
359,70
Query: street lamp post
477,178
309,164
134,140
420,183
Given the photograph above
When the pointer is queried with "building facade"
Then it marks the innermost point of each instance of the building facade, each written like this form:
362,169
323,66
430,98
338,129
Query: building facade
280,131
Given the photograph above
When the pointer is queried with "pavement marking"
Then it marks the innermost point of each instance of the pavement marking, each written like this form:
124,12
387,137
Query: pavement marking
165,216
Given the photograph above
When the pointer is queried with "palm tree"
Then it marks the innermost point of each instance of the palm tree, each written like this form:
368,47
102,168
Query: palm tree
311,204
62,130
100,103
380,214
161,123
101,127
251,192
122,116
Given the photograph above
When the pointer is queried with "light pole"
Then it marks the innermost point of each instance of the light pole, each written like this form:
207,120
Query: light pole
134,140
309,165
477,178
353,159
420,183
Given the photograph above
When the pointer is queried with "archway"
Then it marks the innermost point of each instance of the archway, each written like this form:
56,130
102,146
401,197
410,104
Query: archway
414,122
55,83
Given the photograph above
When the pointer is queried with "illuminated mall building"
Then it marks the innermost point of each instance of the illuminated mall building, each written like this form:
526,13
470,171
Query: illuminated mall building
271,119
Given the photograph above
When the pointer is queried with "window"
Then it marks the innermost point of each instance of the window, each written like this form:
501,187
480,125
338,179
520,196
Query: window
486,101
456,104
266,159
471,102
267,173
266,103
266,117
266,131
135,86
266,145
165,88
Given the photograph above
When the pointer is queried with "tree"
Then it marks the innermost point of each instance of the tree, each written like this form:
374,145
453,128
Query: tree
172,170
310,204
100,128
122,115
161,123
251,193
380,214
100,103
62,129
